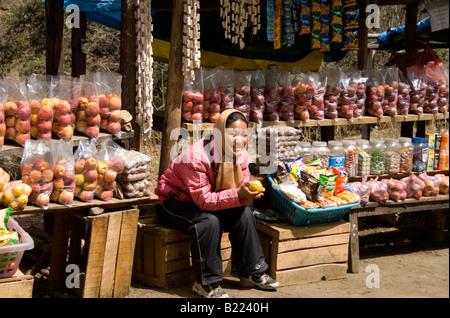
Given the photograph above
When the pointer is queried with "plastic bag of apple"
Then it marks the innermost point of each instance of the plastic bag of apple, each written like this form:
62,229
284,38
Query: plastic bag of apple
41,119
416,76
88,111
109,89
13,194
64,108
332,91
37,170
242,92
389,103
2,116
17,110
85,168
109,166
211,95
63,173
375,93
192,99
403,98
271,94
226,88
287,97
436,96
303,93
258,84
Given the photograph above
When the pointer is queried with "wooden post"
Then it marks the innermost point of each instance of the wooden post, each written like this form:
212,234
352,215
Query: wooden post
363,52
175,82
128,67
78,56
54,21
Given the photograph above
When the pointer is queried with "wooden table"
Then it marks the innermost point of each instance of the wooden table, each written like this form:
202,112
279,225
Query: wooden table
438,206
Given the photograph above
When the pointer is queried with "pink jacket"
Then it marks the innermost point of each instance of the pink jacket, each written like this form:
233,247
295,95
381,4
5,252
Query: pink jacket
191,178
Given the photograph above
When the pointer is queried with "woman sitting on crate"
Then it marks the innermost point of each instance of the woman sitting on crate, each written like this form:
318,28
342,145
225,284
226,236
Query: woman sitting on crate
204,192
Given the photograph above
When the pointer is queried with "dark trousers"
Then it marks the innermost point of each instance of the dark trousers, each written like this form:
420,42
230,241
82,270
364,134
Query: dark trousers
205,228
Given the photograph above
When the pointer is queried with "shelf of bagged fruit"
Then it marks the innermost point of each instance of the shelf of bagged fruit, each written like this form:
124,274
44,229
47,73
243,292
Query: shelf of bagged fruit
332,122
10,147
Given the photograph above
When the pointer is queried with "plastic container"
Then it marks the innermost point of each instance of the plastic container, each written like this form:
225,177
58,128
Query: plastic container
406,154
11,255
392,156
444,153
364,151
321,151
306,151
377,157
298,215
351,157
337,154
420,154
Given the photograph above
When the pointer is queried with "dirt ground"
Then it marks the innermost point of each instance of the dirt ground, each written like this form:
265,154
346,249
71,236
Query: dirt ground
409,264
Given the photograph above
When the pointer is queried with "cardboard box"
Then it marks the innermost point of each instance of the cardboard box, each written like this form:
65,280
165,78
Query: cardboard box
431,138
437,150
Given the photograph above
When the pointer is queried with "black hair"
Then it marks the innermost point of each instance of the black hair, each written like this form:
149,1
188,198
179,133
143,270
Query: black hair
235,116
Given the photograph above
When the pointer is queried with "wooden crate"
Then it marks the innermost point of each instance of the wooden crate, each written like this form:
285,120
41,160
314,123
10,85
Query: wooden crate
302,254
163,256
103,248
17,286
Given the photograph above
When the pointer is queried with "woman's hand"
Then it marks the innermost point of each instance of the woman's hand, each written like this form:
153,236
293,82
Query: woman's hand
245,193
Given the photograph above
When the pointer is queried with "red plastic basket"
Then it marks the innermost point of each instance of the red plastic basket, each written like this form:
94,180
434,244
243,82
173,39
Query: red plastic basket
11,255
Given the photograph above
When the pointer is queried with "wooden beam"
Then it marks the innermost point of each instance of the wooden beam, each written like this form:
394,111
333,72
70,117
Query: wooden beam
175,82
54,21
128,65
412,9
78,56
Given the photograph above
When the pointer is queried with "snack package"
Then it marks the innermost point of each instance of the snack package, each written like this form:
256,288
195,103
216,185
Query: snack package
65,106
305,17
416,76
40,94
63,173
348,197
15,195
329,182
211,95
17,110
337,23
391,79
242,80
270,7
350,38
108,86
87,116
303,92
311,186
226,89
9,238
293,192
286,105
37,170
375,93
258,83
192,99
341,180
332,91
414,186
288,23
271,94
310,205
403,98
85,168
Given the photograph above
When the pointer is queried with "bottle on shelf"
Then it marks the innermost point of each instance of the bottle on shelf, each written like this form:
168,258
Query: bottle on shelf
392,156
337,154
420,155
444,153
351,157
364,151
377,157
406,154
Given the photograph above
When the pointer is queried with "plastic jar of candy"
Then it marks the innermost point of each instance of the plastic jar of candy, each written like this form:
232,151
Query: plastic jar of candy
364,151
337,154
306,152
351,157
392,156
321,151
377,157
406,154
420,154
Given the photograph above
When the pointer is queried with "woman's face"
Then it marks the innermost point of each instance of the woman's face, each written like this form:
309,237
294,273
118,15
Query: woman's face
236,135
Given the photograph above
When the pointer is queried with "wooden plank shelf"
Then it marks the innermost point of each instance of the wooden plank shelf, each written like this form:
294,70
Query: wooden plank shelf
333,122
11,148
78,205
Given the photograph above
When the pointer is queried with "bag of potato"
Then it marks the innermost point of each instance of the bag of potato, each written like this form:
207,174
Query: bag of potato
134,177
85,168
37,170
63,173
109,165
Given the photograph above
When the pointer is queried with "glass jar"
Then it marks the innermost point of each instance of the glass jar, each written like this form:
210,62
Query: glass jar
406,154
420,154
337,154
392,156
321,151
377,157
364,151
351,157
306,151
